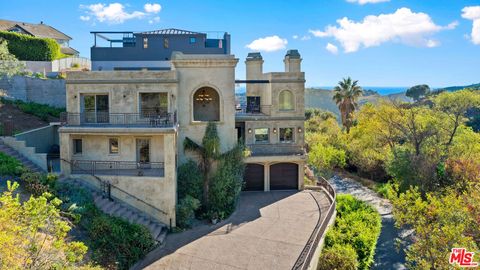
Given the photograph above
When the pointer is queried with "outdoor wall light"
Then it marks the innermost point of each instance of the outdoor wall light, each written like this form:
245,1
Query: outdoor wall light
249,130
274,130
299,130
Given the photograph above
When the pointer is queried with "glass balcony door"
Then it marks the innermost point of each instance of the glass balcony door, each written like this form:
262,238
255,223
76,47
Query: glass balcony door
95,108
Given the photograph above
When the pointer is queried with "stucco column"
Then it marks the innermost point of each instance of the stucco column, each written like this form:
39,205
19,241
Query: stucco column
301,174
170,175
65,153
266,180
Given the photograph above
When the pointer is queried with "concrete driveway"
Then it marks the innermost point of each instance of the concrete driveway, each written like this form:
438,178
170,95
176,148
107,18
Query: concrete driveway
268,231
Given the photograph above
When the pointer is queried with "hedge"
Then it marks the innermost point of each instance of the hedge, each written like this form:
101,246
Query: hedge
28,48
357,225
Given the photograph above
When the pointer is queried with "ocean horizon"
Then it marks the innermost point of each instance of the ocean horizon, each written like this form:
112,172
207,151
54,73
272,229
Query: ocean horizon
382,90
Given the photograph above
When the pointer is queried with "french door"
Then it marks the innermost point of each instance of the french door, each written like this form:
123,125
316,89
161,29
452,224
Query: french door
95,108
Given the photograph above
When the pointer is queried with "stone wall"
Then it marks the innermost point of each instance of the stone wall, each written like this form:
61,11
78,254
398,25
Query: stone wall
43,91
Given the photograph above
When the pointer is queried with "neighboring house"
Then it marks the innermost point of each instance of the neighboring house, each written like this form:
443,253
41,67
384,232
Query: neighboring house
40,30
151,50
128,127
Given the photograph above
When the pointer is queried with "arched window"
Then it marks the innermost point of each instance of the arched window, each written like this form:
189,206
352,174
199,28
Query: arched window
286,100
206,105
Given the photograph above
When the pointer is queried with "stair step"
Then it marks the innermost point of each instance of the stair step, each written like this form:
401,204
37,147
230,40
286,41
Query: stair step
161,237
117,208
120,211
156,231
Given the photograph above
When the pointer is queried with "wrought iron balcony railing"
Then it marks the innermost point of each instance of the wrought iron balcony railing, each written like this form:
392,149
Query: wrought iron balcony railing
143,119
124,168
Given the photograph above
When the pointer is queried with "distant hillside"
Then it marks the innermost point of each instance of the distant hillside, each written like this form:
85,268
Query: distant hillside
456,88
322,99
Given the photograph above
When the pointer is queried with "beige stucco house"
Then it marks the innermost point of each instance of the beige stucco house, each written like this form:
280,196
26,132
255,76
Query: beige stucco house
127,127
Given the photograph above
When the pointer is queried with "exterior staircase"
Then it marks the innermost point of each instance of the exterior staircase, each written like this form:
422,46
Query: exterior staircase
25,161
119,209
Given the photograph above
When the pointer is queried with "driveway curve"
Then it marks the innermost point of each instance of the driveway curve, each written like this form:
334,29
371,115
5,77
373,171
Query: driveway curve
267,231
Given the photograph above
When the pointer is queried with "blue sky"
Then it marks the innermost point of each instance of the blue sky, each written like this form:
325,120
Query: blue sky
379,42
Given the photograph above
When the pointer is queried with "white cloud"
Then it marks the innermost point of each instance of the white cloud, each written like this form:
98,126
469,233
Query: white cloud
85,18
403,26
363,2
115,13
306,38
473,13
154,20
152,8
268,44
332,48
295,36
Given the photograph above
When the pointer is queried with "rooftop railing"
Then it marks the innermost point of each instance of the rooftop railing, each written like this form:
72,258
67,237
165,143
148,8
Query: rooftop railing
105,119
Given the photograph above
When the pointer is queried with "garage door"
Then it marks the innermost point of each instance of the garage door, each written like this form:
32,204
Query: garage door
253,177
284,176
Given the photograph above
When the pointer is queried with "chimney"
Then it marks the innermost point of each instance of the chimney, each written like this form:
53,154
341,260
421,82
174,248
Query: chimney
254,65
292,61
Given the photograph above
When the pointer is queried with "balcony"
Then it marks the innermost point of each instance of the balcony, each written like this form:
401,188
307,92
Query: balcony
106,119
278,149
122,168
253,110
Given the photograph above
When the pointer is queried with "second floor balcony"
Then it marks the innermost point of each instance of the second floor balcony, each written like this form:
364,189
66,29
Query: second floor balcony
108,119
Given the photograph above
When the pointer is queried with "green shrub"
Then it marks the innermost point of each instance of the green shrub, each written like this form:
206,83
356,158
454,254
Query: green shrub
28,48
385,190
189,180
340,257
357,224
226,184
39,183
186,211
75,65
9,166
42,111
115,243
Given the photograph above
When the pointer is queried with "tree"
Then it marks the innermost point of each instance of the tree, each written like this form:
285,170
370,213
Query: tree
439,222
345,96
418,91
456,105
208,152
32,234
9,65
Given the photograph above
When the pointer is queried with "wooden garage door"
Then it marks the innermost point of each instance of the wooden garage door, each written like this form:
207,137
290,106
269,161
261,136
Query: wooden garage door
284,176
253,177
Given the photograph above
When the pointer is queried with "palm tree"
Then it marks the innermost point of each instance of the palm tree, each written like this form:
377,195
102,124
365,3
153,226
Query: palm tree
345,96
208,152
